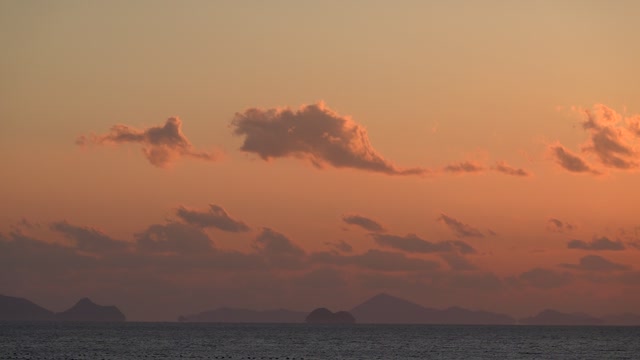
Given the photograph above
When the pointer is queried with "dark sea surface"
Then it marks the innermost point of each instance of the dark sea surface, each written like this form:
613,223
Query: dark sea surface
297,341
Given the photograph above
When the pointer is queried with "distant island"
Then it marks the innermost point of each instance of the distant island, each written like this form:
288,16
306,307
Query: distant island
388,309
19,309
324,316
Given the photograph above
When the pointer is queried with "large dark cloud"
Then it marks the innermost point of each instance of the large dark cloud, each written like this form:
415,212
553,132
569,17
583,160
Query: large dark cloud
556,225
314,133
459,228
278,250
597,264
544,278
215,217
458,262
602,243
412,243
161,144
89,239
363,222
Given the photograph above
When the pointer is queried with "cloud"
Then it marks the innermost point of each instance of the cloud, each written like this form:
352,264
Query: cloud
457,262
596,263
464,167
161,144
341,246
378,260
544,278
556,225
570,161
89,239
611,141
596,244
503,167
412,243
364,222
215,217
314,133
459,228
175,238
278,250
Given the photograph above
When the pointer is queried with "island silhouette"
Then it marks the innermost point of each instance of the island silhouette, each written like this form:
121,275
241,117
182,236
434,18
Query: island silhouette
19,309
380,309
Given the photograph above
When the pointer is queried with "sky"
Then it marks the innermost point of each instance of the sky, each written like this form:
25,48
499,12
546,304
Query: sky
174,157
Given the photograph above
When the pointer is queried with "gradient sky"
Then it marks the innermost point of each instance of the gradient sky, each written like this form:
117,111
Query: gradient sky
172,157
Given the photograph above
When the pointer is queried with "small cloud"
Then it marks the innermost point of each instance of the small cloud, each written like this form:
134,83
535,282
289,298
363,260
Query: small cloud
161,144
457,262
596,244
363,222
464,167
377,260
313,133
556,225
412,243
544,278
215,217
570,161
597,264
503,167
341,246
173,238
459,228
88,239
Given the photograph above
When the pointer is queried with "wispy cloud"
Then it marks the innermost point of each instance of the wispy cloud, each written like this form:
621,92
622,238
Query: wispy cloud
314,133
597,244
412,243
459,228
597,264
215,217
464,167
363,222
557,225
503,167
160,144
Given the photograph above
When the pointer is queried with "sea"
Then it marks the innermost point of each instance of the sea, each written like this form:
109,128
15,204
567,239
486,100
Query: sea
130,340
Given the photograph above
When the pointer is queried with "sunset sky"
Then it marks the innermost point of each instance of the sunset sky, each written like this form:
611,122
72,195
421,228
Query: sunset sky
171,157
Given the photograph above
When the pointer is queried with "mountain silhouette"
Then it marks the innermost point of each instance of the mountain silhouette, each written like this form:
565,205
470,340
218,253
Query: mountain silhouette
19,309
87,310
231,315
387,309
554,317
324,316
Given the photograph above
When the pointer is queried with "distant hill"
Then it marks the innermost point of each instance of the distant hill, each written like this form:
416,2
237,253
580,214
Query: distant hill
230,315
324,316
553,317
18,309
387,309
87,310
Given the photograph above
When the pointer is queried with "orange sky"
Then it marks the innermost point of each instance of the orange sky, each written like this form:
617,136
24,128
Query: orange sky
175,157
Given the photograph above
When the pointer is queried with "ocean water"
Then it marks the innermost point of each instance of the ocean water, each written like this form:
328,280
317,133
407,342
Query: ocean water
301,341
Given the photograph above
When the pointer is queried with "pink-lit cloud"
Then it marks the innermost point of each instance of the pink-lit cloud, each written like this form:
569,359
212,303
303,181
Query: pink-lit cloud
314,133
464,167
161,145
612,141
459,228
503,167
363,222
215,217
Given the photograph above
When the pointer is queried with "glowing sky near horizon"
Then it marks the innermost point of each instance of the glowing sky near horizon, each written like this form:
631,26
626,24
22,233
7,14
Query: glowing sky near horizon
195,154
